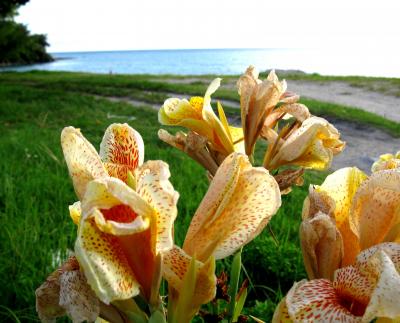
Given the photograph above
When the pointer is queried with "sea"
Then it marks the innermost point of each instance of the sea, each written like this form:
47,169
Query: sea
225,61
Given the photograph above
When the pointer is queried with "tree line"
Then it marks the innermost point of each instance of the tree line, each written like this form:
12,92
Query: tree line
17,44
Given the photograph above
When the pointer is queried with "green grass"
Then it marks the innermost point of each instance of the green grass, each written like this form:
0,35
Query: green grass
36,190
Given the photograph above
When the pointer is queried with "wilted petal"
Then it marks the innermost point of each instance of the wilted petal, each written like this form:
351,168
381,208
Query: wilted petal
121,150
105,264
66,292
153,186
299,111
239,203
322,246
317,301
84,164
77,297
375,213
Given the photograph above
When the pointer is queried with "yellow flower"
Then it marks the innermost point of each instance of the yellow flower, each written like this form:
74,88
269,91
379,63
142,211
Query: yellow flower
360,293
198,116
238,205
348,213
311,145
122,229
386,161
257,100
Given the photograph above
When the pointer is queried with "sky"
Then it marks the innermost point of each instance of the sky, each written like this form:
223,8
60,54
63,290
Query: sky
94,25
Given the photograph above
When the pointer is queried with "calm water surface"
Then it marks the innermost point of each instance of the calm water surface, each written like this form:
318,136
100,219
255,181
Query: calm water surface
225,61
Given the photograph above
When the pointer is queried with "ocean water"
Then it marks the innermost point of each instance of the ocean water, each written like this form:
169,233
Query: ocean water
225,61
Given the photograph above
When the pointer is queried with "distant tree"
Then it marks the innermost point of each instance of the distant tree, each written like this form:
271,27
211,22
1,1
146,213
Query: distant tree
17,45
9,7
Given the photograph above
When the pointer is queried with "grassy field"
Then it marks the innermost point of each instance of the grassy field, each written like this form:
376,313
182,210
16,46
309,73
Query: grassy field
37,232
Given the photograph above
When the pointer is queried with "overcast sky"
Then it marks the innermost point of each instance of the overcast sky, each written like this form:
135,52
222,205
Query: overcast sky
90,25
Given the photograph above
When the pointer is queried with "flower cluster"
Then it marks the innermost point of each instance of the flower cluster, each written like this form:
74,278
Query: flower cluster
126,210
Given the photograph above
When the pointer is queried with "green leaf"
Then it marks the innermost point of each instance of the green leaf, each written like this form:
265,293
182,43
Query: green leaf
137,318
157,317
234,282
239,305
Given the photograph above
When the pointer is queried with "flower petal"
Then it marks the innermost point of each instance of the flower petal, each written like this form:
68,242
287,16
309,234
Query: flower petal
341,186
281,314
312,145
240,202
153,186
316,301
322,246
121,150
375,214
116,208
385,298
84,164
77,297
75,212
104,264
176,262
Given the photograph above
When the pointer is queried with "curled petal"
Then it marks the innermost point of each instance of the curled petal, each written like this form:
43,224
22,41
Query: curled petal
299,111
375,213
281,314
322,246
154,187
121,150
239,203
84,164
312,145
116,208
75,211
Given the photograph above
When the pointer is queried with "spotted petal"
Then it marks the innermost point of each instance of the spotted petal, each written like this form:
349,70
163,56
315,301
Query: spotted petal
154,187
317,301
84,164
239,203
121,150
105,264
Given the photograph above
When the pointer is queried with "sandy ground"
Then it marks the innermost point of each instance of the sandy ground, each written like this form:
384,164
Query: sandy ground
364,143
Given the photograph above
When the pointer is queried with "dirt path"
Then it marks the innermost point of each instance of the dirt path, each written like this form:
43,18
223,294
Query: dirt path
342,93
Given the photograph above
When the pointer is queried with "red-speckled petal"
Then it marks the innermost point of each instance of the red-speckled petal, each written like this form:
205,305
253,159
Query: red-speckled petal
375,214
121,150
154,187
105,264
84,164
317,301
234,219
352,285
175,264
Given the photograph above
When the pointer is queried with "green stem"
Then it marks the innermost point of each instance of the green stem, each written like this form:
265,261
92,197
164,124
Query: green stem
234,282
